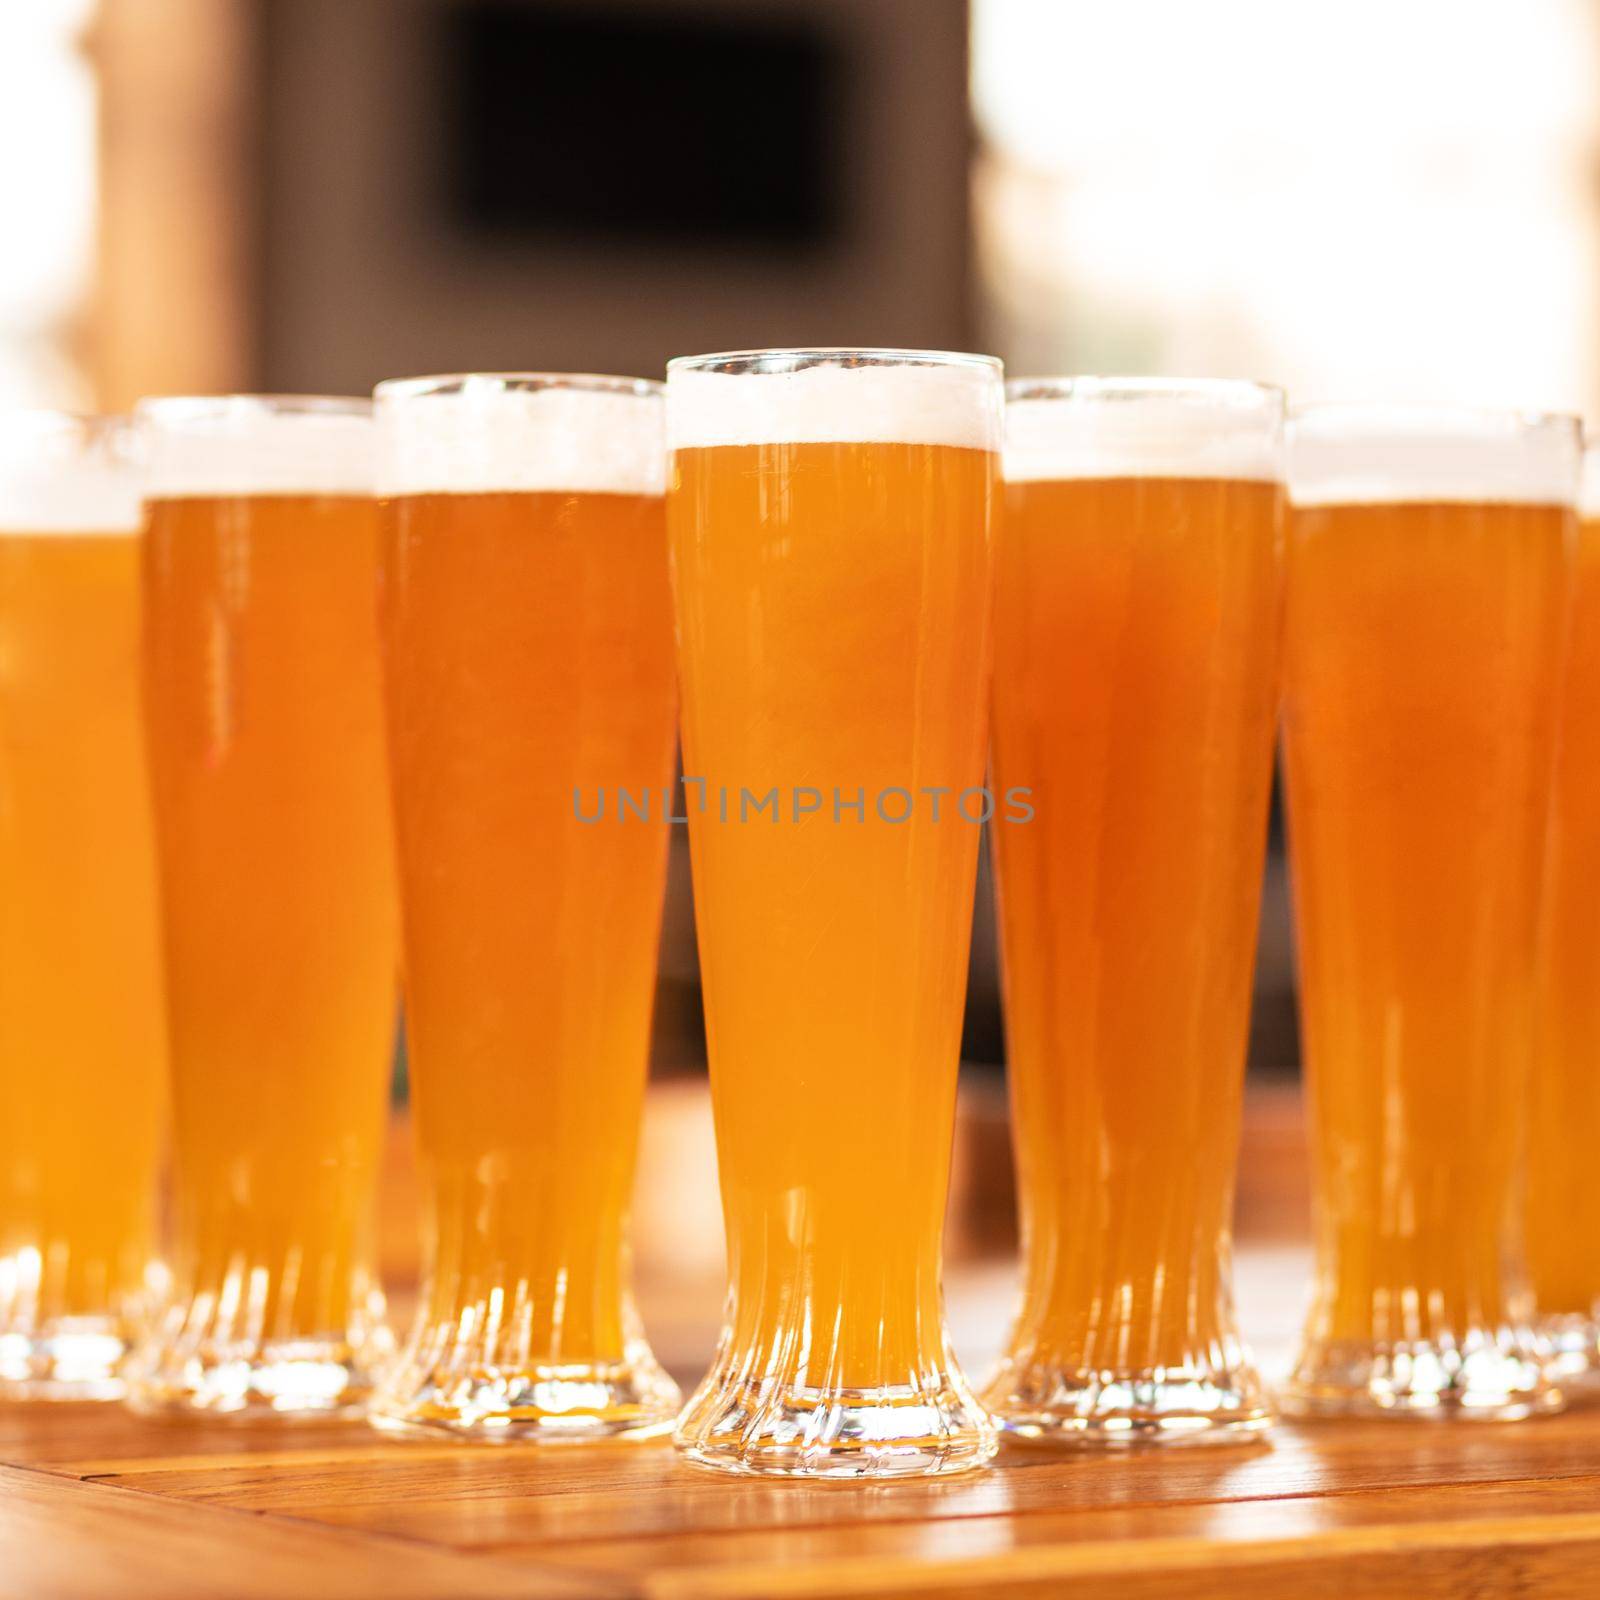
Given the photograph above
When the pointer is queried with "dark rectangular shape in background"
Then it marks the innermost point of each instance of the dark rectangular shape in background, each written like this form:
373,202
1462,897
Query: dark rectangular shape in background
639,124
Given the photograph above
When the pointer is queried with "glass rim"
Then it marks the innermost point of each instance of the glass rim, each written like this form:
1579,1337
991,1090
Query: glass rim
1398,421
1383,453
520,433
781,359
1231,393
50,421
444,384
1589,478
42,436
244,445
180,410
68,472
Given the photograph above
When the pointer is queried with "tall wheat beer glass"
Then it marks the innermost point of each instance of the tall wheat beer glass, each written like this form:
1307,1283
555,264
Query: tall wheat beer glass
1428,579
1138,609
829,514
82,1041
1563,1213
528,634
266,748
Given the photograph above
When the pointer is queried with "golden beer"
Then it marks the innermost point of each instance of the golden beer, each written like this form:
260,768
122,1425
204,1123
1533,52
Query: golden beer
1563,1214
1428,578
82,1041
267,755
529,674
1137,622
829,516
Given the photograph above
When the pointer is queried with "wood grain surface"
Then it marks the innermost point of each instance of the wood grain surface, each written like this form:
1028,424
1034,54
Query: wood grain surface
97,1502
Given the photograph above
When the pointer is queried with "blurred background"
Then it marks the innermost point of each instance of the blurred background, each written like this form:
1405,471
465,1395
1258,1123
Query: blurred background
1354,198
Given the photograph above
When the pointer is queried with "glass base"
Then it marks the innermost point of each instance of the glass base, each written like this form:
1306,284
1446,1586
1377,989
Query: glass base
70,1358
630,1399
756,1429
1162,1405
1500,1378
283,1378
1573,1341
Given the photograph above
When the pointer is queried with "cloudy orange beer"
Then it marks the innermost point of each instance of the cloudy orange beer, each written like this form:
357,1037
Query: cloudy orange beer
82,1038
529,676
1137,619
829,516
1428,580
267,760
1563,1212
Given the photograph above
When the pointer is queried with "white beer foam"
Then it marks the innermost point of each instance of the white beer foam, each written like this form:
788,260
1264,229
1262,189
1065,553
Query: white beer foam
1126,432
835,403
487,437
1589,484
1379,456
248,445
61,475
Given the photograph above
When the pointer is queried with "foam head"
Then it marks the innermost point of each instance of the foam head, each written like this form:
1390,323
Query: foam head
66,474
1142,428
1389,455
1589,486
524,433
834,397
223,446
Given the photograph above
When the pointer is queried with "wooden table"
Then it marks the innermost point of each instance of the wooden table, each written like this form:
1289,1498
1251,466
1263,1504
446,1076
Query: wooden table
96,1502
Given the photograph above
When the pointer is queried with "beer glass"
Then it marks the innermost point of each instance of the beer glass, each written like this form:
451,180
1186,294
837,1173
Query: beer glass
1428,578
1138,609
82,1039
829,515
266,750
529,677
1563,1211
